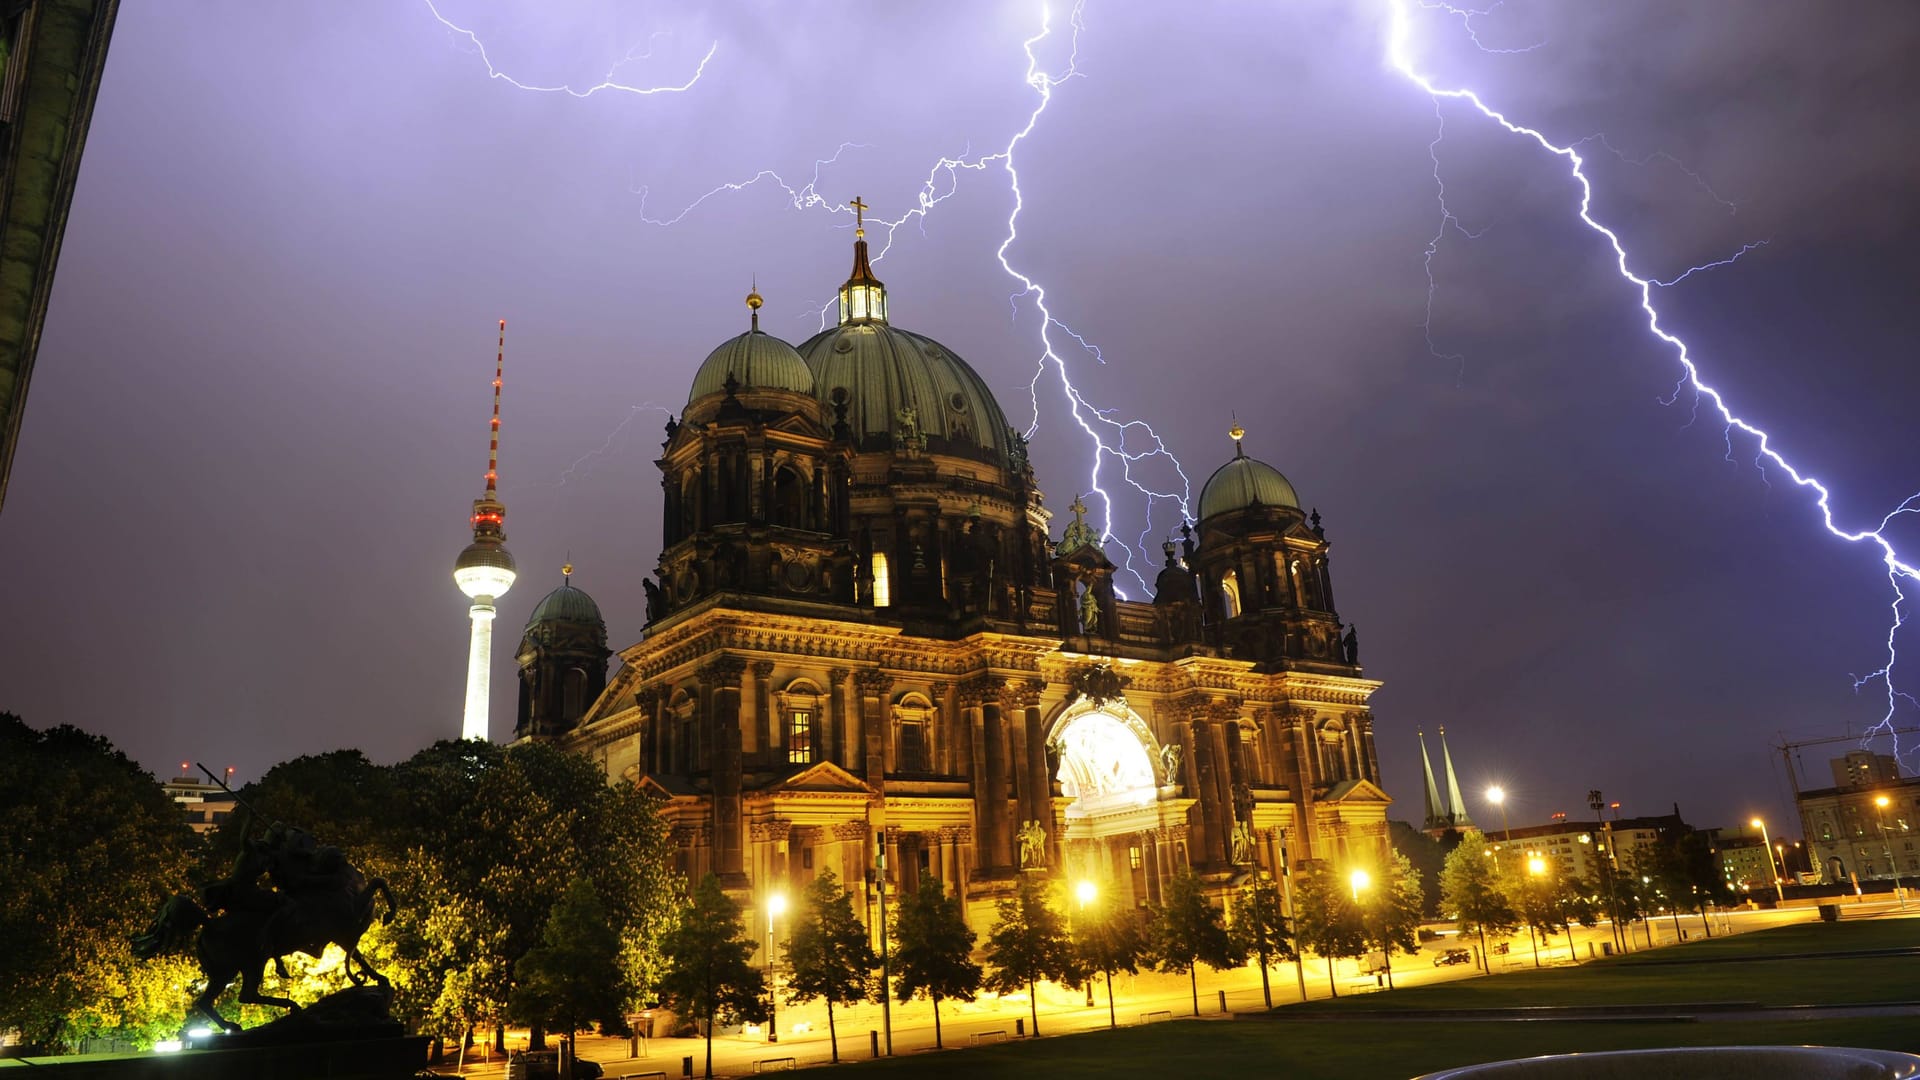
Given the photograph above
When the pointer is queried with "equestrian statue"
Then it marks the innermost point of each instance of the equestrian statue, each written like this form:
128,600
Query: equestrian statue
285,894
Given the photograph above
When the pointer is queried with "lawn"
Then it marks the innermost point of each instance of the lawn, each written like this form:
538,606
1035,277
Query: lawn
1394,1049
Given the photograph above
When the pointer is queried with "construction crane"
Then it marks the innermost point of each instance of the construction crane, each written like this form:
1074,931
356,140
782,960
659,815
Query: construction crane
1787,749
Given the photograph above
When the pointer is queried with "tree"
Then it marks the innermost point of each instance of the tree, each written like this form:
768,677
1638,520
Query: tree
1187,931
1545,902
1325,918
707,974
1470,890
1260,929
933,950
828,955
1028,943
1390,910
574,976
1109,938
89,847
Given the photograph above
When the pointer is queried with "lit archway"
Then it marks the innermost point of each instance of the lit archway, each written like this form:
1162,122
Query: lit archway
1108,761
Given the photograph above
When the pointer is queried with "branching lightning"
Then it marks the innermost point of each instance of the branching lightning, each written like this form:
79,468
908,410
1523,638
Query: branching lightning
1124,442
607,83
1898,566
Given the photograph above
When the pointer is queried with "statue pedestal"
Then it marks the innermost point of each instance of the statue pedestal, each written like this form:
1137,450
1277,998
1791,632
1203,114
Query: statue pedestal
344,1036
393,1058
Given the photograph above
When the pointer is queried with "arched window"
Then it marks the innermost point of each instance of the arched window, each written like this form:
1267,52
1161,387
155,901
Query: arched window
572,696
1333,753
1230,593
789,507
912,735
689,506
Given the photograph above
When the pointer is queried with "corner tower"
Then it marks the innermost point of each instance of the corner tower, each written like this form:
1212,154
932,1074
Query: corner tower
484,571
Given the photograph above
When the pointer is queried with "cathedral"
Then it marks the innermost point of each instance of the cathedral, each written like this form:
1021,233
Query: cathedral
866,651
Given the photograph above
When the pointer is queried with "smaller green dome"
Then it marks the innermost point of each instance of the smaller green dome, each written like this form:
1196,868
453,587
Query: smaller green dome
756,360
1245,482
566,604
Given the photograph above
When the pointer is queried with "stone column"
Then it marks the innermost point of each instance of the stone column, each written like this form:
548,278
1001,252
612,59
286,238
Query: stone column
722,680
1036,787
771,743
839,749
873,687
649,703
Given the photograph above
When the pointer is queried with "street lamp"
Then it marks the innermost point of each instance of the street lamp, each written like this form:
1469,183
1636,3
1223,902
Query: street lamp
1085,892
776,907
1537,868
1880,816
1779,893
1497,795
1359,879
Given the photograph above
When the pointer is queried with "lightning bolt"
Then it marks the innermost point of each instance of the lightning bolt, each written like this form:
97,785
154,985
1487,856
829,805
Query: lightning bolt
1114,442
607,83
1899,568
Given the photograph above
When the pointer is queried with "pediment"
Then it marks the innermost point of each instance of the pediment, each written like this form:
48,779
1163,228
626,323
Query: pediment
823,776
1356,791
665,789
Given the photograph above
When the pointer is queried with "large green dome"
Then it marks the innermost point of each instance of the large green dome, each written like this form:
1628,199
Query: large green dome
879,370
755,360
1245,482
566,604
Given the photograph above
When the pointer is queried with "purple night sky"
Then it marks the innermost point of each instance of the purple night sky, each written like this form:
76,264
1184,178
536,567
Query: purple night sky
259,412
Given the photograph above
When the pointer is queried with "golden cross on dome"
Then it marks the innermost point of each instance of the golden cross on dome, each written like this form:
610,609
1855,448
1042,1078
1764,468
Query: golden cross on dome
859,216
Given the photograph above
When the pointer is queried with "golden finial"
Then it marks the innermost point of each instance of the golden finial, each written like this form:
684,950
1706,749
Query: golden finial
754,302
566,572
859,218
1237,432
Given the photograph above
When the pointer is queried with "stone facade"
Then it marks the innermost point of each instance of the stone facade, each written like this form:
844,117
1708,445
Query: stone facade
865,649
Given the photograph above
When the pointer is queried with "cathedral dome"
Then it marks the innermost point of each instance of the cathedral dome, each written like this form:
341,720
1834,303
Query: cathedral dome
566,604
754,359
1245,482
879,370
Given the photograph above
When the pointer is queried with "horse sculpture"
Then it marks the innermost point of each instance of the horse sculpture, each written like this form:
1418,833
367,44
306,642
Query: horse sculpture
316,898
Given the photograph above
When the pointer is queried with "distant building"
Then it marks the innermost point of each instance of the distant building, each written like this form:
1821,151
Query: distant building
1745,864
1575,848
204,804
1850,834
51,56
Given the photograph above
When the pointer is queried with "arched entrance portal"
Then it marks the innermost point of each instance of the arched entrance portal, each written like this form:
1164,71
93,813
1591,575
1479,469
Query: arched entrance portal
1105,764
1125,825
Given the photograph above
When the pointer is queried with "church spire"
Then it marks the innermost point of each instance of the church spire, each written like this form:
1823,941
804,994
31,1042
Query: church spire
1436,817
863,298
1456,807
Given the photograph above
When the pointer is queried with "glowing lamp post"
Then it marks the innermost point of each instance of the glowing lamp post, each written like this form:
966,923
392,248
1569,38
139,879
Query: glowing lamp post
1085,892
776,907
1537,869
1779,893
1360,880
1880,803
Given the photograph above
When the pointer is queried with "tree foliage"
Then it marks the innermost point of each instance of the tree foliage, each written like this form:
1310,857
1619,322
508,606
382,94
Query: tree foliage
1028,944
1260,928
1391,910
1187,931
828,954
1325,918
573,977
89,845
1109,938
707,976
1470,891
933,950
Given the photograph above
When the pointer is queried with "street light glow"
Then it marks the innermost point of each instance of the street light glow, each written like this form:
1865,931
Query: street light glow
1880,801
1085,891
1496,795
1536,866
1756,823
1360,880
777,904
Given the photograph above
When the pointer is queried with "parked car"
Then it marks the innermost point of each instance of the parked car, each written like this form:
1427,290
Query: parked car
545,1065
1452,957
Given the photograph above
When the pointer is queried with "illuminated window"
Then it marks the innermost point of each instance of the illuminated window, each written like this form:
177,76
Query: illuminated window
799,737
1230,592
882,593
1133,857
910,752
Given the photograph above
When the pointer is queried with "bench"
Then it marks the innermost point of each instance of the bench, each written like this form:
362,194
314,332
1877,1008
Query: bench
980,1038
774,1064
654,1075
1154,1017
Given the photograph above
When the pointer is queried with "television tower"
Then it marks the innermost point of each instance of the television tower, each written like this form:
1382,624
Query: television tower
484,571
